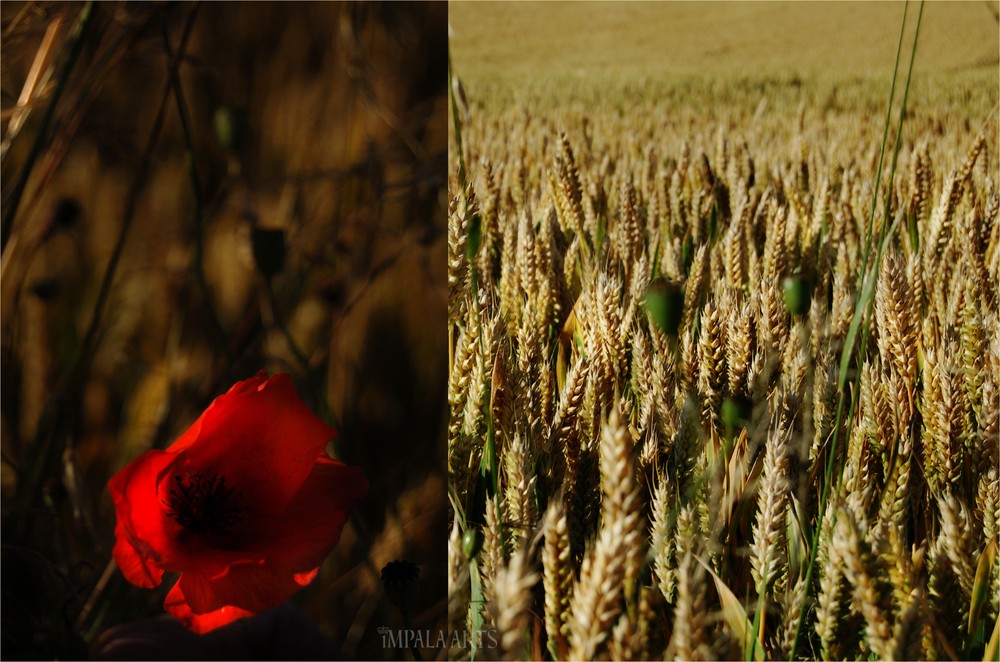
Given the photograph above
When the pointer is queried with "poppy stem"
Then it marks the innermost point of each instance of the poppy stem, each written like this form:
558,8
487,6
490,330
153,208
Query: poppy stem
312,375
99,587
196,191
408,624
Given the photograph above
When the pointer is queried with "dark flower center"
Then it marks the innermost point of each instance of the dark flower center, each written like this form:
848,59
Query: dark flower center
203,504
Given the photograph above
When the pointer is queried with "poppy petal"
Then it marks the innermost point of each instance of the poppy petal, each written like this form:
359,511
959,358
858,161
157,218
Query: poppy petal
293,546
136,560
245,506
177,604
311,525
252,587
192,433
264,440
147,541
141,538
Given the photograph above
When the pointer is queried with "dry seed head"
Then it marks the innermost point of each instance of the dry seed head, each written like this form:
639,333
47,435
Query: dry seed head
943,416
871,596
740,347
712,363
519,493
662,538
796,361
695,286
988,437
772,501
510,287
906,641
832,590
514,604
643,379
570,191
690,637
526,259
895,310
465,359
610,340
957,541
974,344
557,578
566,424
529,398
645,635
921,175
493,555
772,327
775,250
622,502
794,599
688,367
460,211
629,232
458,580
898,483
939,231
736,247
612,563
842,307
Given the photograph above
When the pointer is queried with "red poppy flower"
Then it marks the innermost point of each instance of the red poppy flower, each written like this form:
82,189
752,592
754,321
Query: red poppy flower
245,505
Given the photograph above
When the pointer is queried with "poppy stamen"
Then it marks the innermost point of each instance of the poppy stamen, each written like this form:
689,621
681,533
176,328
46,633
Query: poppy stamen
202,503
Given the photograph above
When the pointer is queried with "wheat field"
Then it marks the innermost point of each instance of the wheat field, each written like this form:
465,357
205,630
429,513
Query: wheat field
713,394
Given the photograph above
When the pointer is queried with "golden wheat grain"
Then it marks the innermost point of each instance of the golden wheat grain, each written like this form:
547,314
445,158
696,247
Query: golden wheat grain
559,354
513,604
611,566
689,639
769,527
558,579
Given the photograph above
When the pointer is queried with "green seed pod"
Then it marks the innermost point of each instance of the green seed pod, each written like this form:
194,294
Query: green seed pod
796,290
687,253
399,582
665,303
232,128
475,237
268,249
736,412
472,542
45,289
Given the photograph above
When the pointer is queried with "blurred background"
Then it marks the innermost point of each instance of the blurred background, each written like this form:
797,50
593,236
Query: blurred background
192,193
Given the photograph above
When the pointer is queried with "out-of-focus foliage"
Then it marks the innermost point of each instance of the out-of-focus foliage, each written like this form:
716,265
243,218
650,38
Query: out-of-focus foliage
294,221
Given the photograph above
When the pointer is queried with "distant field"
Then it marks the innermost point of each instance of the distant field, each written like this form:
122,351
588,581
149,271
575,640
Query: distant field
512,47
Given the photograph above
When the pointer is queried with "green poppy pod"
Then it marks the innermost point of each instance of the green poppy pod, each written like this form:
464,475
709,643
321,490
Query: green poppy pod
472,542
665,303
736,412
796,291
268,249
475,237
399,582
232,127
